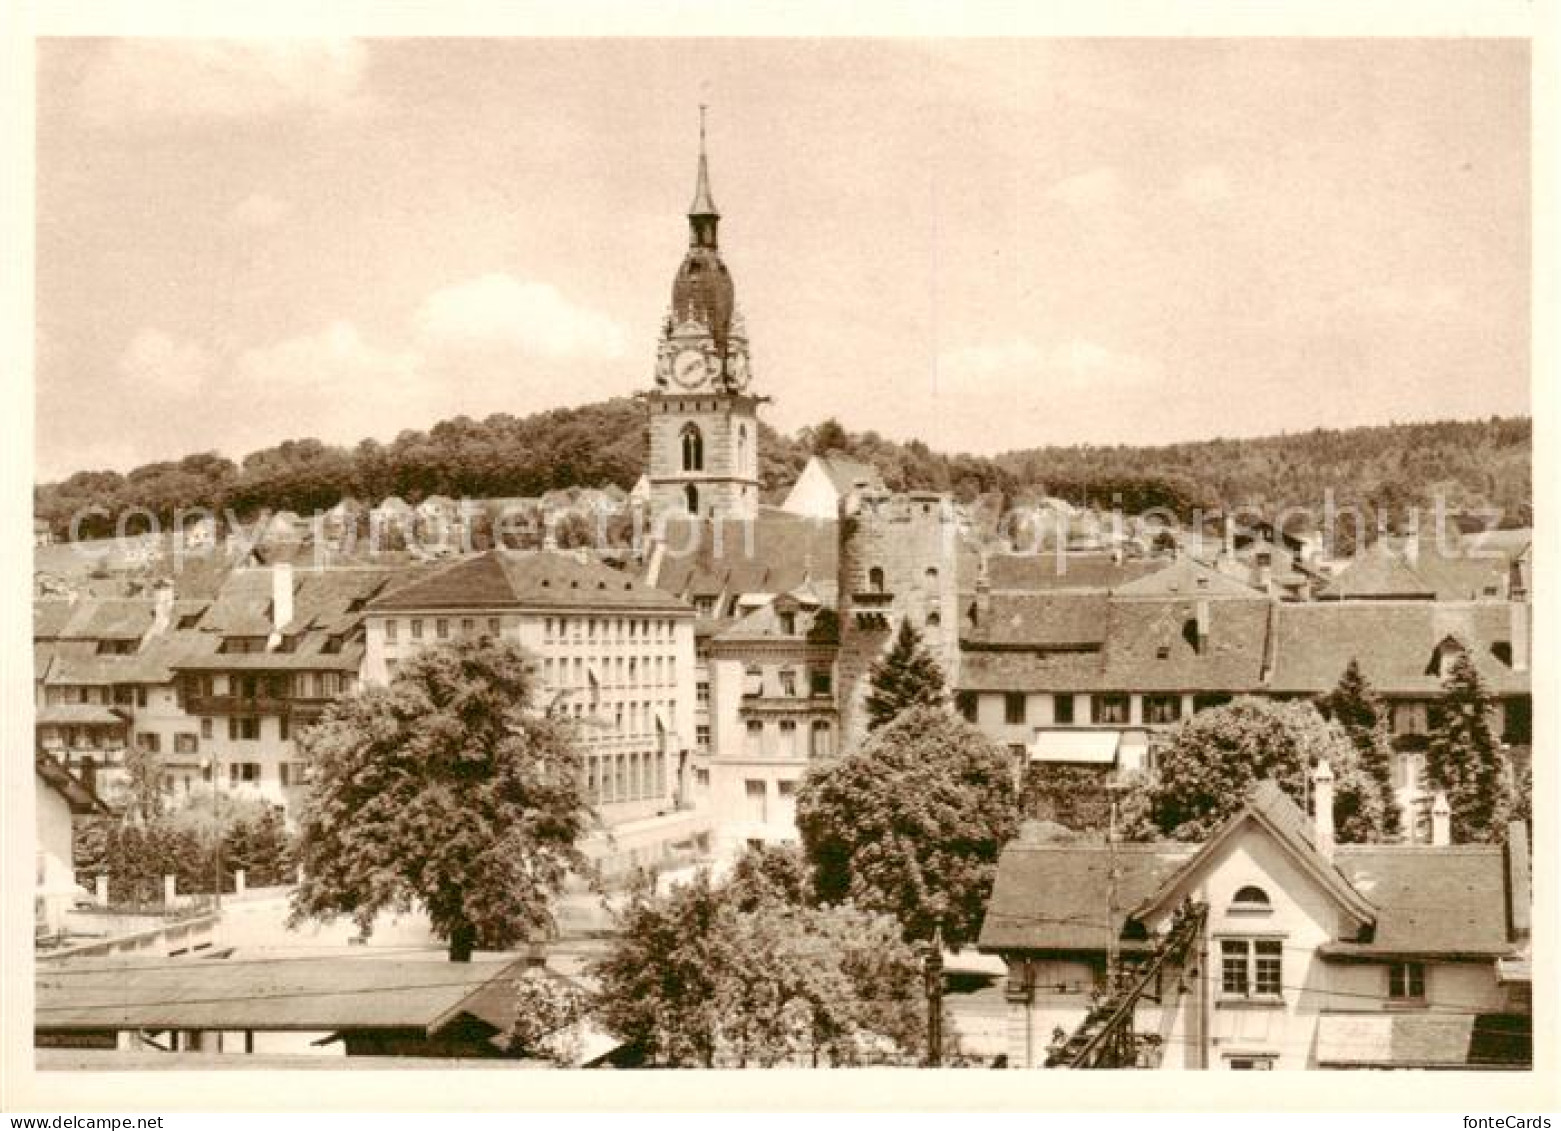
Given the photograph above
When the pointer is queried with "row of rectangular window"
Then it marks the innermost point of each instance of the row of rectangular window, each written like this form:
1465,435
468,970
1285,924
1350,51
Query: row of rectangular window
820,739
1105,709
631,775
442,627
620,671
618,629
820,682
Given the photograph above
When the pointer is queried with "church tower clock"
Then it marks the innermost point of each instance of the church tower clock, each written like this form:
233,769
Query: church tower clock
704,424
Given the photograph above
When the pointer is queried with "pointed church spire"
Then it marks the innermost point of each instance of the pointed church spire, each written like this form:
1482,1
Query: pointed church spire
704,204
702,214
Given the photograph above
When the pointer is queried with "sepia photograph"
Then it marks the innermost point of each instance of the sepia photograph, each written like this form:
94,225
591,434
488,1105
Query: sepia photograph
558,553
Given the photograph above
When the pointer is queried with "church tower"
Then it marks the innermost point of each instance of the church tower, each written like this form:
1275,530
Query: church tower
704,424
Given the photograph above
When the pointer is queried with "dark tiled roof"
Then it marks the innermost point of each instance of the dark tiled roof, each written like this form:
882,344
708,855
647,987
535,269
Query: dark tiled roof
845,472
1139,631
1041,619
502,579
1394,641
93,618
1066,571
1413,899
1029,671
1430,900
773,554
1380,572
80,796
1052,896
328,994
1185,577
79,714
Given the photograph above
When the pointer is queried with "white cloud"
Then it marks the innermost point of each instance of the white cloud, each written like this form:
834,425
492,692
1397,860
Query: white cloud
1206,185
1098,188
336,361
1076,363
502,312
258,210
226,79
159,363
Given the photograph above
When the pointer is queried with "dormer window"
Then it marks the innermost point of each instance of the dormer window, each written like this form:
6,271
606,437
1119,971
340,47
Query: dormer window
1250,900
788,623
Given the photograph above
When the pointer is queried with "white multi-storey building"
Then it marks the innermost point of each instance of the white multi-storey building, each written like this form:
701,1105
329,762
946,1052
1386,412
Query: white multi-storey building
615,655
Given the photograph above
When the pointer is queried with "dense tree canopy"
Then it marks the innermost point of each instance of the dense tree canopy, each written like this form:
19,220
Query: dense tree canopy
1203,774
906,676
737,974
912,823
1464,760
443,790
1355,706
1470,464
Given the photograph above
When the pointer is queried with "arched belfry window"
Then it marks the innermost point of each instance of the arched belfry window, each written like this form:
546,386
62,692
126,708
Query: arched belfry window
742,447
691,498
693,448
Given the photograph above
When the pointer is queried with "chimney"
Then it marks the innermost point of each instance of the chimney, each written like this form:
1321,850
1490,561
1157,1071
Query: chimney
1229,550
1518,611
1520,890
1322,805
1265,571
1412,539
1203,626
162,607
1441,821
983,590
281,595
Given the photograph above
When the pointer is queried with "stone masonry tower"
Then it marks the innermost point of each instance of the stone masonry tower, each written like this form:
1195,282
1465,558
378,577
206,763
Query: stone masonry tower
898,557
704,425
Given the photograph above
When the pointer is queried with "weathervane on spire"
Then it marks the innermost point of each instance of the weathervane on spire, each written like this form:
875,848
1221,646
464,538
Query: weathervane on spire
704,203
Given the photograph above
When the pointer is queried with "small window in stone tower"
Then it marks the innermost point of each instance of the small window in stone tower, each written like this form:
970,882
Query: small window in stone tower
875,580
691,498
742,447
693,448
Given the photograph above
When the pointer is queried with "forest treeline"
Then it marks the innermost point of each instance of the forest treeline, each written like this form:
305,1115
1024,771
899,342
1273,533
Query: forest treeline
1471,464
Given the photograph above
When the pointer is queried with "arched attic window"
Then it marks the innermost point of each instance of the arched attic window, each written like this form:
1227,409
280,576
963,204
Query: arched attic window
1250,898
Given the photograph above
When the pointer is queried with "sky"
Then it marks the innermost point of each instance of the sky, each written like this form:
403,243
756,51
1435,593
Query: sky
984,244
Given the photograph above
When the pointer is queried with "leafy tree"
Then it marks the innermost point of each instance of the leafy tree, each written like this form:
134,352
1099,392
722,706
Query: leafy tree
911,824
548,1012
829,437
1205,771
1355,706
1463,758
144,785
445,790
733,974
907,676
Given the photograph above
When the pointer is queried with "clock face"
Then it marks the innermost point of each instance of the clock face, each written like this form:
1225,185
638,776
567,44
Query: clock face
688,368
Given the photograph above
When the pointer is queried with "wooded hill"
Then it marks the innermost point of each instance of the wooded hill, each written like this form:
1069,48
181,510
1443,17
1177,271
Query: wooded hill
1471,464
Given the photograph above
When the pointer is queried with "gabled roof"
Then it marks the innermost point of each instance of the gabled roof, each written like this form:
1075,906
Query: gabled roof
1269,807
764,624
1378,573
93,618
1184,577
845,473
1411,900
507,579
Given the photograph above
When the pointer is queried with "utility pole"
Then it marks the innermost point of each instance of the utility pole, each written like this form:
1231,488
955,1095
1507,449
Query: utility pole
216,834
1113,956
933,970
